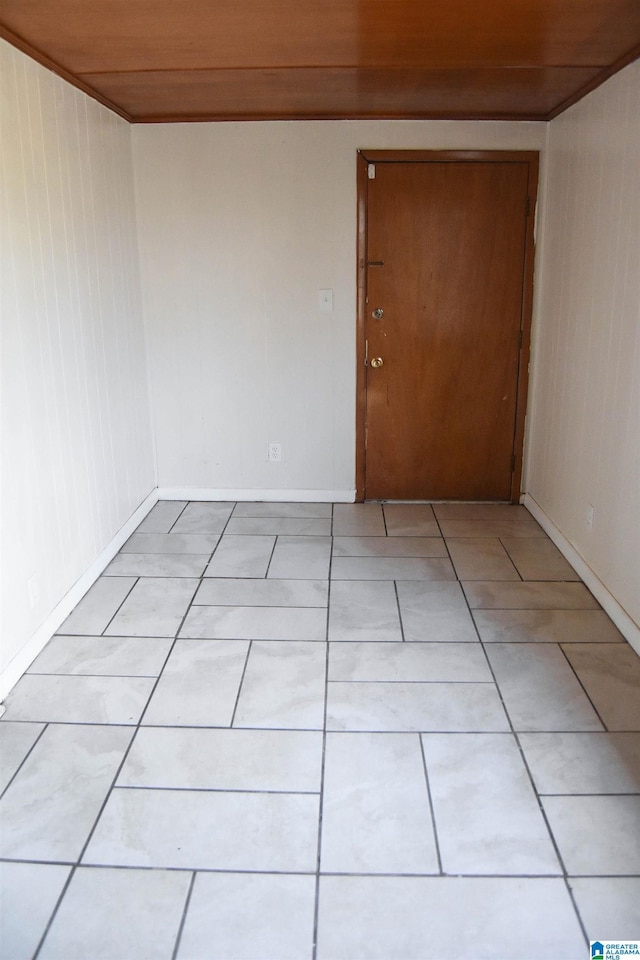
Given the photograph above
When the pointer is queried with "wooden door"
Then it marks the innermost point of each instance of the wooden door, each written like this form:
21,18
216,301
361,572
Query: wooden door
446,257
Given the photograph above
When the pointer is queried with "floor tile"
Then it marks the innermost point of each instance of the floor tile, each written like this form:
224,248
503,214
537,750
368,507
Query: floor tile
546,626
481,511
190,543
583,762
28,896
481,558
539,560
486,594
358,520
157,565
16,740
202,830
203,518
162,517
284,686
461,662
611,677
64,699
62,785
108,914
256,623
192,759
263,593
376,816
298,558
435,612
410,520
486,813
539,688
611,851
224,773
609,907
154,608
285,526
421,918
363,610
199,685
301,511
491,528
241,557
389,547
414,707
103,656
282,917
98,606
392,568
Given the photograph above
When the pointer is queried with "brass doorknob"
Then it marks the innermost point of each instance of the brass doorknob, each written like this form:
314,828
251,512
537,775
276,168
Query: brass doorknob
377,362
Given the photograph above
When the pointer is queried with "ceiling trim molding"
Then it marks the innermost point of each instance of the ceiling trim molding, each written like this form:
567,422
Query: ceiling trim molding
45,61
595,82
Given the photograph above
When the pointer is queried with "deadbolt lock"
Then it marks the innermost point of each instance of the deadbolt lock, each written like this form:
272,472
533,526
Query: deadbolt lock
377,362
378,313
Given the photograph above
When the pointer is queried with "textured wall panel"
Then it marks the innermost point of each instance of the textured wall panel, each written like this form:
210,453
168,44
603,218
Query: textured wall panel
76,437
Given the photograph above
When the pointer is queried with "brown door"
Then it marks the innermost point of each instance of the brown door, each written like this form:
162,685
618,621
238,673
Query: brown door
446,254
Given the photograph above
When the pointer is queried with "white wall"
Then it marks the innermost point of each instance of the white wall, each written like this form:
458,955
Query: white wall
240,225
584,411
76,438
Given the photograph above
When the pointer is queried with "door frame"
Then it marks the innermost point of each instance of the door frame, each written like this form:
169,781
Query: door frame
365,157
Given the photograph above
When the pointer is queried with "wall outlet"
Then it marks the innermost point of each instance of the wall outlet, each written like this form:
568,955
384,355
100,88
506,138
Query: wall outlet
275,451
590,516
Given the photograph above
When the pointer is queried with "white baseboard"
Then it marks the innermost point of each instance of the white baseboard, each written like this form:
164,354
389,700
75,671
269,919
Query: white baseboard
27,654
627,627
268,496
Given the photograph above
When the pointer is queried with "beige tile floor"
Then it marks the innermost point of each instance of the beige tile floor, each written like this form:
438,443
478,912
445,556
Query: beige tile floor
275,731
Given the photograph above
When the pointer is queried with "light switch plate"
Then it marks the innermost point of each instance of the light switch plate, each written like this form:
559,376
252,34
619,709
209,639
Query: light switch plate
325,301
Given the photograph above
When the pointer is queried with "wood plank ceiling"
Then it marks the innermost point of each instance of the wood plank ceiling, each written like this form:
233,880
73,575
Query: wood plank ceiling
181,60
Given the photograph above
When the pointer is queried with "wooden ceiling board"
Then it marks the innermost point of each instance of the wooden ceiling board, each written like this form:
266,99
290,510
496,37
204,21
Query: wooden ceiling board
221,59
338,93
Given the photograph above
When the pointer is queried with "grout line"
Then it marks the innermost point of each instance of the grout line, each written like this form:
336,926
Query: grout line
136,580
166,789
244,670
363,730
316,909
63,893
218,541
586,692
26,756
95,676
187,903
273,550
395,588
325,873
424,682
431,806
511,560
620,793
170,530
574,903
262,606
